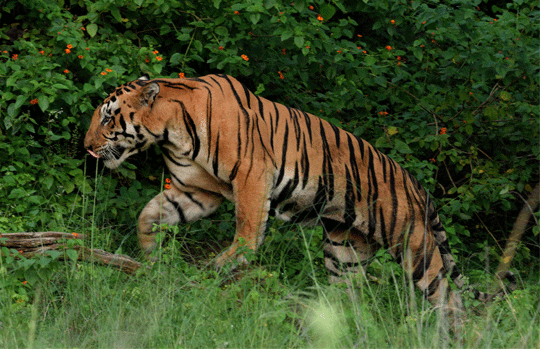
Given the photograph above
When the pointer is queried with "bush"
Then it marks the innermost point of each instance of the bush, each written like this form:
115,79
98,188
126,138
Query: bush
449,90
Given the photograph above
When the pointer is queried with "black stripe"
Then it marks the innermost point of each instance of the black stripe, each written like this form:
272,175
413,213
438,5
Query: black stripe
283,156
196,202
350,201
178,209
215,160
354,168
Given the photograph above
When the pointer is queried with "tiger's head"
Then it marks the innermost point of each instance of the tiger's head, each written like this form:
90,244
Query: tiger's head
119,126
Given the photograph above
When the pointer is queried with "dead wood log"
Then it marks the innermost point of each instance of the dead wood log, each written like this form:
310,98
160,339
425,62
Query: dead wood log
30,244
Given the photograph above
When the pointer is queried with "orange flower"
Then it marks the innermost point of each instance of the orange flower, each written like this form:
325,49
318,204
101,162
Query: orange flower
443,131
167,180
283,51
147,60
66,71
310,7
68,51
70,46
319,17
181,75
432,160
389,48
75,234
24,282
281,75
245,58
338,51
108,70
15,56
236,12
155,52
393,22
88,49
359,35
42,52
221,48
307,47
34,101
364,51
159,58
103,73
167,186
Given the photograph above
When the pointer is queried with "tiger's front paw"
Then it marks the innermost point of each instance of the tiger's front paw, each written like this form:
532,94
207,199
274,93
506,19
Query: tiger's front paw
230,256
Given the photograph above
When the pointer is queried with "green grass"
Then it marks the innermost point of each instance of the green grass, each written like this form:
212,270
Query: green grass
179,304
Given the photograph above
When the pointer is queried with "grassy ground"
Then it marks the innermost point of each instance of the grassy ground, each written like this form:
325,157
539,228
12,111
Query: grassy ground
280,301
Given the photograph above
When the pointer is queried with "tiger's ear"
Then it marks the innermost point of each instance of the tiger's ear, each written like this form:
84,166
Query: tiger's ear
148,93
145,77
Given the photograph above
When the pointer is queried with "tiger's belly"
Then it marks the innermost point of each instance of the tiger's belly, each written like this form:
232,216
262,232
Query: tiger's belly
306,206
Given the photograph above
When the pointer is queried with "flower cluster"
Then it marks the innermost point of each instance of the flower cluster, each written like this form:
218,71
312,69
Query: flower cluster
443,131
105,72
245,58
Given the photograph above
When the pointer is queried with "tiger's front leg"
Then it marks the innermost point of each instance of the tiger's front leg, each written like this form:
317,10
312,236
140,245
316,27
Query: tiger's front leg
173,206
252,199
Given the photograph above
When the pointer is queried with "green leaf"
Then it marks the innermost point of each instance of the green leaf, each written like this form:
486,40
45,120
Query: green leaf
198,45
380,80
43,102
222,31
116,14
370,60
175,58
255,17
327,11
287,34
299,41
402,147
92,29
72,254
418,53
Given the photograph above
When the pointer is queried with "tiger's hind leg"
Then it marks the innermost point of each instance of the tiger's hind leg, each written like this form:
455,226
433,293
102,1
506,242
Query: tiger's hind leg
171,207
345,251
423,261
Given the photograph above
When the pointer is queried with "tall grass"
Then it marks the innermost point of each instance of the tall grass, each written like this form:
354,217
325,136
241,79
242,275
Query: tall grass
282,300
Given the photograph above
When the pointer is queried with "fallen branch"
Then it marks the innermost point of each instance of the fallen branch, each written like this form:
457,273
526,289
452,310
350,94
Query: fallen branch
30,244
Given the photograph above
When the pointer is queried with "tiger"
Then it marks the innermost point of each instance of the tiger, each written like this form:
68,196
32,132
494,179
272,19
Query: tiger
222,142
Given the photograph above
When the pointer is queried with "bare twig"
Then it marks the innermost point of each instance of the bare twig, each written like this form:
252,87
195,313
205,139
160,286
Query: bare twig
519,228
